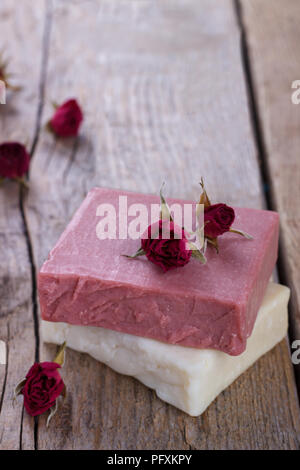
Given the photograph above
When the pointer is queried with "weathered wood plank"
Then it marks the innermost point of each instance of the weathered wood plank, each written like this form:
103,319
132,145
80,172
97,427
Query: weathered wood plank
164,96
273,38
21,42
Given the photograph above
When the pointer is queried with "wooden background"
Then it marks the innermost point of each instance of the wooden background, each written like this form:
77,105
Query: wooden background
171,90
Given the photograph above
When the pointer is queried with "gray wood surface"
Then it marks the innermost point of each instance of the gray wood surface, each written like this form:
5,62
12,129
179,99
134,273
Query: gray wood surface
165,98
21,33
280,124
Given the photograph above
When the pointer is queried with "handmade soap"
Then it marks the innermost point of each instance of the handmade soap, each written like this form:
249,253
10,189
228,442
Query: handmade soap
188,378
87,281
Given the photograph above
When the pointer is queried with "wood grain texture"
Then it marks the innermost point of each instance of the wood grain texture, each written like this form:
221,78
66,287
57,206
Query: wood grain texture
273,37
17,122
164,96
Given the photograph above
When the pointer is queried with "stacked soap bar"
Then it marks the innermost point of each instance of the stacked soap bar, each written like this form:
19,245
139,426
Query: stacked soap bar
188,378
86,281
184,332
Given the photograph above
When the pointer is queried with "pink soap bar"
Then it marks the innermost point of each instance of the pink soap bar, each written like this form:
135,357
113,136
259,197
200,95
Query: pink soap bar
86,281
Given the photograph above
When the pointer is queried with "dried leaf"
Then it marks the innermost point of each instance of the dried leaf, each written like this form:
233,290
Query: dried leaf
13,87
200,235
197,253
18,389
165,213
4,75
204,199
60,356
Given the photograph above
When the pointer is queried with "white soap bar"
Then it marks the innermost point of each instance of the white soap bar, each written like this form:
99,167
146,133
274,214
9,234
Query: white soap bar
188,378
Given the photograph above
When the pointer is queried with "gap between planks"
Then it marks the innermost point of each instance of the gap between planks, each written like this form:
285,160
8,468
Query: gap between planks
22,195
264,166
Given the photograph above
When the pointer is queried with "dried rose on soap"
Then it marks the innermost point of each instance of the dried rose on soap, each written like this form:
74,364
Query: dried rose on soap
14,160
218,219
166,244
67,119
168,247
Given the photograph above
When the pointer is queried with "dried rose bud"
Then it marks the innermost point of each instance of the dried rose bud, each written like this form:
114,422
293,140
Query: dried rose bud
169,249
14,160
42,387
218,219
67,119
165,244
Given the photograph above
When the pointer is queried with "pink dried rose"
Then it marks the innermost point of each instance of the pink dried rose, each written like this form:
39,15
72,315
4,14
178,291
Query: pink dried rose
14,160
67,119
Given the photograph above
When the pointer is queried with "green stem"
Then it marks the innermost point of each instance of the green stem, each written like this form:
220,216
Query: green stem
22,182
140,252
240,232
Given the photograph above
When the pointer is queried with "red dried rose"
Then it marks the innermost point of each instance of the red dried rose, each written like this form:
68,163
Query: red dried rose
14,160
168,246
218,219
67,119
42,387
